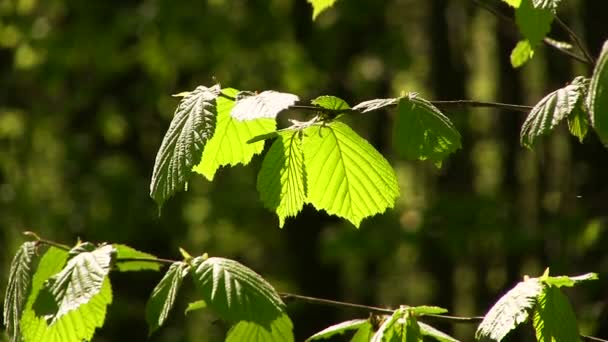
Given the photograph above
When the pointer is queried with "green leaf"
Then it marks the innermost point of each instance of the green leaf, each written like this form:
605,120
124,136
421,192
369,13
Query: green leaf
401,326
533,23
554,319
427,330
330,102
77,325
364,333
513,3
267,104
319,6
346,176
19,279
282,179
235,292
522,53
423,132
598,96
280,330
547,113
126,252
79,281
426,310
192,126
196,305
229,146
510,310
163,296
568,281
578,123
338,329
376,104
546,4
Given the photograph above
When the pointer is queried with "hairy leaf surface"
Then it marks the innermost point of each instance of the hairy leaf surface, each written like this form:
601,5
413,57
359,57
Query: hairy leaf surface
319,6
164,294
192,126
282,178
513,3
229,146
598,96
126,252
235,292
19,279
280,330
338,329
346,176
510,310
554,319
578,123
427,330
376,104
267,104
546,4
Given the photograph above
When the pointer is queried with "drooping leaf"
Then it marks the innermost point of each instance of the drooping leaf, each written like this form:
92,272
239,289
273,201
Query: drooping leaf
426,310
566,281
267,104
423,132
427,330
196,305
598,96
280,330
533,23
371,105
578,123
549,112
554,319
338,329
282,178
19,278
510,310
77,325
235,292
192,126
346,176
80,280
364,333
164,294
522,52
126,252
319,6
229,146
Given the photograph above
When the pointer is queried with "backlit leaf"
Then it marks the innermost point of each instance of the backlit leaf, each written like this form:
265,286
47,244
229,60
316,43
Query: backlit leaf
164,294
578,123
338,329
364,333
427,310
566,281
513,3
427,330
126,252
376,104
401,326
280,330
522,53
554,319
330,102
598,96
267,104
192,126
346,176
319,6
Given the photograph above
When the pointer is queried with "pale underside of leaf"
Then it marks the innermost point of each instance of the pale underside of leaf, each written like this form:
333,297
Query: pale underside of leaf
267,104
338,329
319,6
282,179
192,126
280,330
164,294
346,176
376,104
126,252
19,280
533,22
235,292
437,334
554,319
229,145
510,310
597,98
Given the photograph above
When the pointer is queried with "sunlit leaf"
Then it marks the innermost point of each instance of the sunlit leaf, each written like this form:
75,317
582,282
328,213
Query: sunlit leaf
164,294
346,176
522,53
376,104
282,178
513,3
19,278
196,305
267,104
235,292
598,96
338,329
427,330
280,330
427,310
566,281
126,252
364,333
578,123
330,102
546,4
229,146
192,126
401,326
319,6
554,319
510,310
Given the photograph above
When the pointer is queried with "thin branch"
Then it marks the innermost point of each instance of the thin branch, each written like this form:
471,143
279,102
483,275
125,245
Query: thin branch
593,338
550,42
576,41
45,241
151,260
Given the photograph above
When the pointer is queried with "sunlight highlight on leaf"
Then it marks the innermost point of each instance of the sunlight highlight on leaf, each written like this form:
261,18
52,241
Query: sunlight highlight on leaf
267,104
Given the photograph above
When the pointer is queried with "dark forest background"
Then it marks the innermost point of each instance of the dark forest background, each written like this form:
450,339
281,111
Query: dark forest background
85,101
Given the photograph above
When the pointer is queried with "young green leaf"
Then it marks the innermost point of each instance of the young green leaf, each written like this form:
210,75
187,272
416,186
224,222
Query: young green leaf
267,104
554,319
427,330
401,326
522,53
550,111
364,334
77,325
533,22
229,146
376,104
578,123
163,296
280,330
192,126
423,132
235,292
566,281
346,176
282,179
196,305
126,252
330,102
426,310
19,279
510,310
597,97
319,6
338,329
